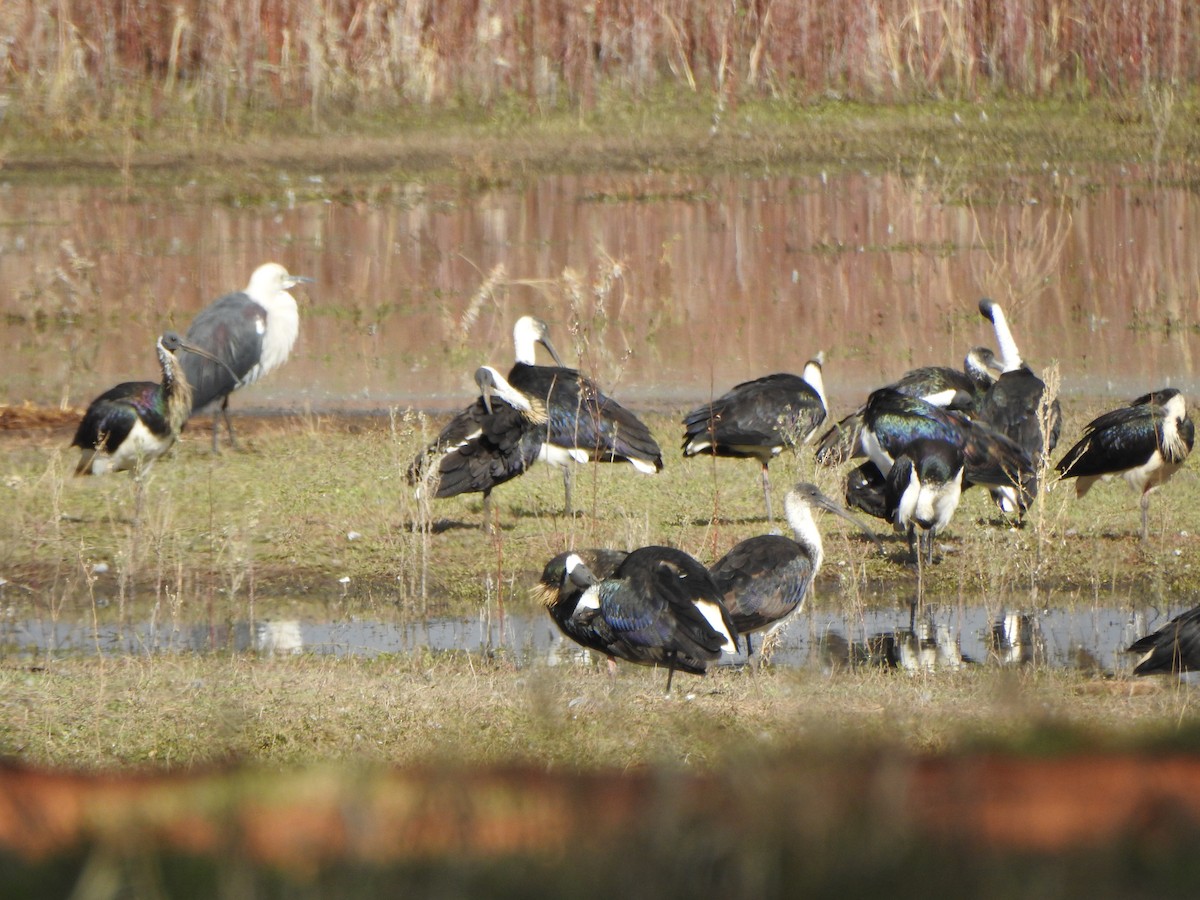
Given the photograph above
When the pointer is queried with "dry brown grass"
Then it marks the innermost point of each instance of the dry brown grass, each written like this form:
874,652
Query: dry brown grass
180,712
79,63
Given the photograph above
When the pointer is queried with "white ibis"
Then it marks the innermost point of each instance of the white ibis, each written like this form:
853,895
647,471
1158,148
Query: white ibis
583,424
251,332
1014,407
1145,443
1173,648
658,607
939,385
131,425
492,441
765,579
759,419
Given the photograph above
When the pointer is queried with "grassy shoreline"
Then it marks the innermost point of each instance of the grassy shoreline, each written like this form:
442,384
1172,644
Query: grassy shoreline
990,138
337,506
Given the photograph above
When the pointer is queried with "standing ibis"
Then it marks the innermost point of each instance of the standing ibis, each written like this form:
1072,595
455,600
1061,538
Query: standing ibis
559,594
923,487
765,579
758,419
939,385
1173,648
133,424
924,453
492,441
658,607
1145,443
1016,406
251,332
583,424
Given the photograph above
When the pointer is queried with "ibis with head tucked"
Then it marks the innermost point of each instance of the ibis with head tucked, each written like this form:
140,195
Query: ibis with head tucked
250,332
759,419
1144,442
1174,648
765,579
658,607
131,425
559,593
492,441
583,424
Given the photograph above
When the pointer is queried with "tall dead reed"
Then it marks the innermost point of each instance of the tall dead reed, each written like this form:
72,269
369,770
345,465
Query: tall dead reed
70,63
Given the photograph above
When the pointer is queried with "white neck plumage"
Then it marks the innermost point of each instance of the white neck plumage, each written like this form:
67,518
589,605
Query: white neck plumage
804,528
1010,356
812,374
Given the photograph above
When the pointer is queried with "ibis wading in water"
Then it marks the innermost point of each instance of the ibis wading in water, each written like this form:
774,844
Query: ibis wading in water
583,424
492,441
1173,648
758,419
133,424
765,579
1145,443
658,607
250,332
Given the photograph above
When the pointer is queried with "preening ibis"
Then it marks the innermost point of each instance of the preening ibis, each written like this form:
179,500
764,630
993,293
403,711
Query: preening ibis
133,424
492,441
923,454
758,419
251,332
584,425
1015,406
939,385
556,591
765,579
1145,443
658,607
1173,648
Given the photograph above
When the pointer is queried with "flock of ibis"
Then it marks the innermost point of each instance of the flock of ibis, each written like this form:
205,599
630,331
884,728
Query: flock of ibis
923,439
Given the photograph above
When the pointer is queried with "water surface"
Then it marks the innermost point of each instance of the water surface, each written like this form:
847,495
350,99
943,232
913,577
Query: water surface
668,288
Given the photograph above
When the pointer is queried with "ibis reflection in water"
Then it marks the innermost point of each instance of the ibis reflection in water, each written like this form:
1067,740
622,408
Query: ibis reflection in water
131,425
248,334
658,606
765,579
758,419
583,424
1145,443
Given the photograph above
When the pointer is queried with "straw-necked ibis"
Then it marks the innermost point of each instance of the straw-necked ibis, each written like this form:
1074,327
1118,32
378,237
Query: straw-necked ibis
583,424
131,425
759,419
492,441
1145,443
659,606
765,579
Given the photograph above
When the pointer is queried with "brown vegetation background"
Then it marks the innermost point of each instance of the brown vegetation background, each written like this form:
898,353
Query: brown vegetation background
216,58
